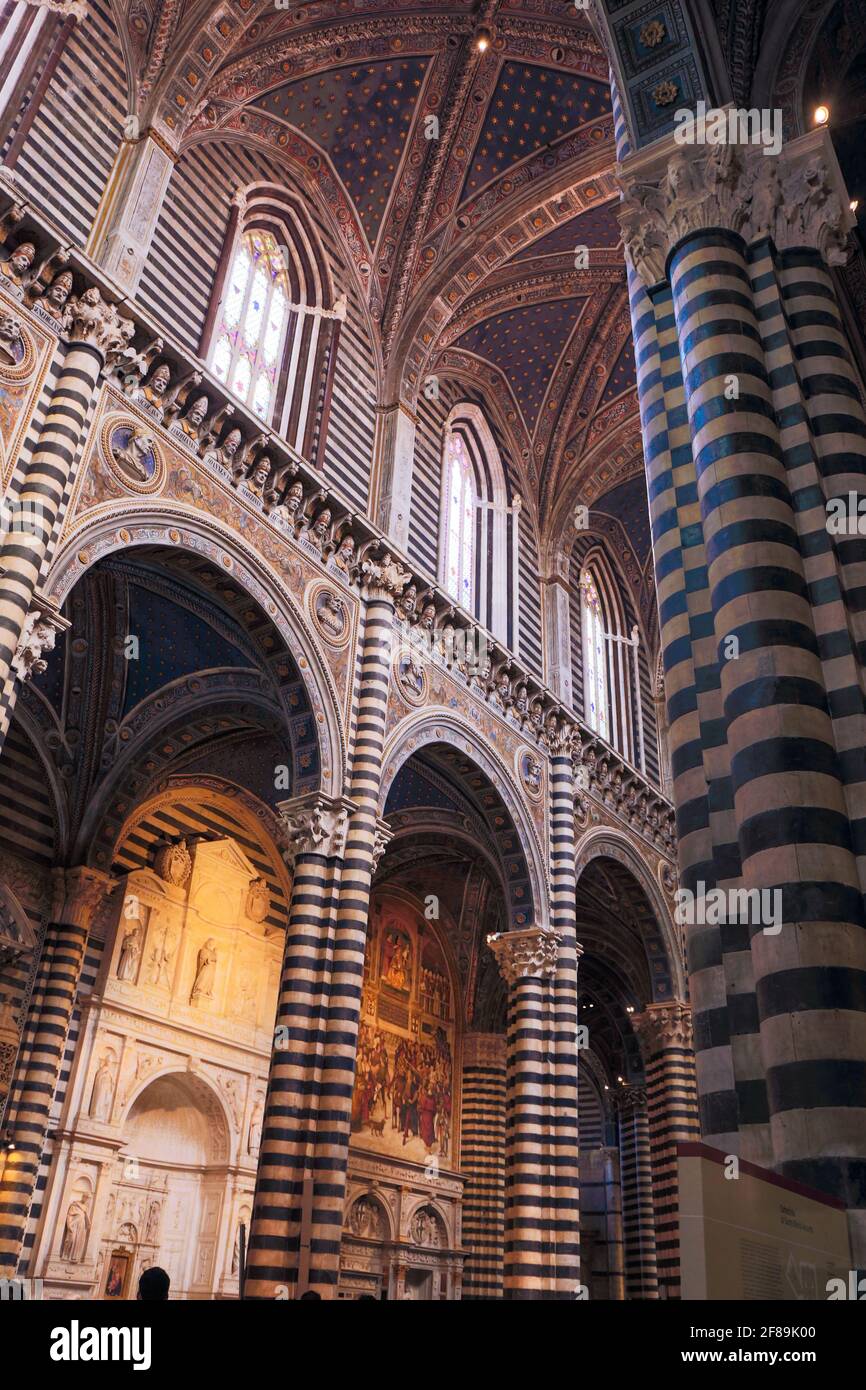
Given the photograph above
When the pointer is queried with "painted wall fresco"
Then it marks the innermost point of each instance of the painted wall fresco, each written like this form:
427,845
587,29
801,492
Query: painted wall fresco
403,1098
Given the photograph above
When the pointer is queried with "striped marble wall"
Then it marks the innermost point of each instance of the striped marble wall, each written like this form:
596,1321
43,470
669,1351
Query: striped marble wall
72,143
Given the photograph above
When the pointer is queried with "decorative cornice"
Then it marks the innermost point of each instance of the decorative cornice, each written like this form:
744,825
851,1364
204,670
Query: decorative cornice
315,824
526,955
798,198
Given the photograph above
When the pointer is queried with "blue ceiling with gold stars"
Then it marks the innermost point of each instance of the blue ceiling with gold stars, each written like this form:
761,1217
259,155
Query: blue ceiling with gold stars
360,115
526,344
623,375
597,227
628,503
530,108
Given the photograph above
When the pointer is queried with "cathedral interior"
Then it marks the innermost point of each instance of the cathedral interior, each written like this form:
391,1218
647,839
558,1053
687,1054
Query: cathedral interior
431,463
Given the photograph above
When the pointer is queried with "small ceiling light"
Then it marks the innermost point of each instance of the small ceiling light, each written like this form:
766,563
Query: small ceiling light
629,1008
482,40
8,1144
855,203
822,115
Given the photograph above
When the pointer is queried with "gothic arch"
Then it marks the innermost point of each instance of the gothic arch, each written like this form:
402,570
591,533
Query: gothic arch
424,729
159,524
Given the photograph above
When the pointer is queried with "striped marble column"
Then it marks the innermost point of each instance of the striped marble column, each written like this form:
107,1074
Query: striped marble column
564,1201
33,1091
94,329
664,1032
638,1215
482,1162
534,1229
383,581
279,1249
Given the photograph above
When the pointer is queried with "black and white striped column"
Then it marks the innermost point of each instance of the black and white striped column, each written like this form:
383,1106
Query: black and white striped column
279,1253
482,1162
383,581
32,1093
95,329
541,1194
638,1215
664,1032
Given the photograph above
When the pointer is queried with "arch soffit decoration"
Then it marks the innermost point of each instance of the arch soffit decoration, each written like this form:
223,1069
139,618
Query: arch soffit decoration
158,524
420,730
604,843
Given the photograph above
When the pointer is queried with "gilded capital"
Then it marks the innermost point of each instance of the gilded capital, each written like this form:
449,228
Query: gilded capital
663,1026
526,955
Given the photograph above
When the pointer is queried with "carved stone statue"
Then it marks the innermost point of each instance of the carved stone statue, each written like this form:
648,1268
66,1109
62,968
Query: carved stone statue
345,556
408,603
152,1227
74,1240
259,476
103,1088
254,1134
225,454
258,900
154,390
17,267
130,951
194,418
11,342
205,972
288,508
161,957
38,635
55,299
320,532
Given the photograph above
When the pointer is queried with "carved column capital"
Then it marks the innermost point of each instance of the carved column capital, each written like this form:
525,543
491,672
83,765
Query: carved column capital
662,1026
384,579
38,636
384,836
627,1099
526,955
84,889
88,319
797,197
315,824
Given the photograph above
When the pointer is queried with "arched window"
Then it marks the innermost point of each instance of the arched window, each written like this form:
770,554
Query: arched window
249,338
478,526
459,521
595,692
273,327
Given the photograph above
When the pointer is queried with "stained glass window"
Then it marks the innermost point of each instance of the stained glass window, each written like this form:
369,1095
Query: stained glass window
251,331
459,522
595,700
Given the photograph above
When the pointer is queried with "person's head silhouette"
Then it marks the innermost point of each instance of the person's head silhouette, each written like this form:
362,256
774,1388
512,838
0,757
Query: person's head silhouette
153,1286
